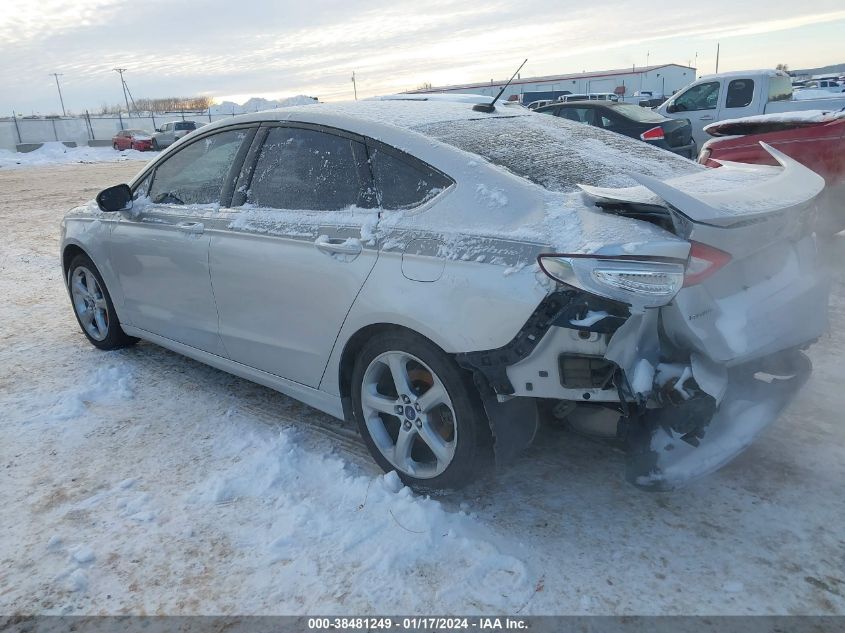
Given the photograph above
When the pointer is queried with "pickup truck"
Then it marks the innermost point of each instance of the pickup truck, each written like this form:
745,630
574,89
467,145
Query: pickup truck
738,94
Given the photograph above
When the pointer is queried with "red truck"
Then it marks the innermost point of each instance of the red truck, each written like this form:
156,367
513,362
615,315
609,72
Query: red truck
814,138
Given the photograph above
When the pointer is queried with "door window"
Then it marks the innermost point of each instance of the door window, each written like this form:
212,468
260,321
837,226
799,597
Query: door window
401,184
701,97
305,169
195,174
740,93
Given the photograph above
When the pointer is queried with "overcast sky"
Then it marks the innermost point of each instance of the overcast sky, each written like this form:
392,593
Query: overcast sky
232,49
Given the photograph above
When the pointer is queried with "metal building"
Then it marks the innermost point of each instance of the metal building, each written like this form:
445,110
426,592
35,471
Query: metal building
664,79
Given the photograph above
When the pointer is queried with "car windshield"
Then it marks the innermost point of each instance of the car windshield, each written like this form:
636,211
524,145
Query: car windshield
136,132
638,113
185,125
556,153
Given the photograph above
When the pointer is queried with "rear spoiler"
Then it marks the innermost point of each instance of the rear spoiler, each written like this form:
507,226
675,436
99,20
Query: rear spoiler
750,198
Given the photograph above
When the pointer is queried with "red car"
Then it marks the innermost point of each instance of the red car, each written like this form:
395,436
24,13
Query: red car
815,139
132,139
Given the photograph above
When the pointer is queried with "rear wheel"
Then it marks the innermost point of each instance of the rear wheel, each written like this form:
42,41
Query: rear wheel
114,145
418,412
93,306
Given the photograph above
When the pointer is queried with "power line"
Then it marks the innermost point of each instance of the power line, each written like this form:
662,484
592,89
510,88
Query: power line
59,88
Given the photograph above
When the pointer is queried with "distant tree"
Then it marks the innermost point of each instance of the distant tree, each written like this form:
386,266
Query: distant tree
426,85
783,67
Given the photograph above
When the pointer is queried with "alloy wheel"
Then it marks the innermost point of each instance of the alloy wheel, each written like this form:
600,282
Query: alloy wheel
409,414
89,302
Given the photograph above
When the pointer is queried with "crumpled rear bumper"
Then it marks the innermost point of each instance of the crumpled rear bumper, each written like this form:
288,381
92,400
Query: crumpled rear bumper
659,459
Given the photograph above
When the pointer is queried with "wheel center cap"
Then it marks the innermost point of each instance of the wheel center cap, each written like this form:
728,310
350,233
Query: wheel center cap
410,413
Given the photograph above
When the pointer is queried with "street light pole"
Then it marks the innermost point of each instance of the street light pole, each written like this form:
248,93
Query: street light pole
59,88
354,86
120,72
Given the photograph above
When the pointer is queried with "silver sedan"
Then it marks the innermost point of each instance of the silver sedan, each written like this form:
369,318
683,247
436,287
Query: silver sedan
436,271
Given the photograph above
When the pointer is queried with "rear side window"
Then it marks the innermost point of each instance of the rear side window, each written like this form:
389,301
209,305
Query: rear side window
185,125
780,89
305,169
740,93
195,174
402,185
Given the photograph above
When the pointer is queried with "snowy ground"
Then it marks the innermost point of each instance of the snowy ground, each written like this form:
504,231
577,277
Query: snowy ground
55,153
143,482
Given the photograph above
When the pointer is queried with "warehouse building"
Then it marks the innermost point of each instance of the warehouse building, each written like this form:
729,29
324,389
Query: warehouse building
665,79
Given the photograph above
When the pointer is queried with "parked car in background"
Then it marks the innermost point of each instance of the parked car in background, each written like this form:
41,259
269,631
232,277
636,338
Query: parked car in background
739,94
827,85
168,133
140,140
432,271
815,139
631,120
539,103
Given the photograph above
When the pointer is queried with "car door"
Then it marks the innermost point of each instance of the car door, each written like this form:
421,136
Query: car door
289,265
699,104
160,254
739,99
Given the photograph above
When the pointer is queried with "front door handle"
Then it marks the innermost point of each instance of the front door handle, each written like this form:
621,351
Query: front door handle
707,117
335,246
194,228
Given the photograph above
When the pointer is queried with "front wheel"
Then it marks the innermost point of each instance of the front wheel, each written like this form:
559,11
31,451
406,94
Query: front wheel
93,306
418,412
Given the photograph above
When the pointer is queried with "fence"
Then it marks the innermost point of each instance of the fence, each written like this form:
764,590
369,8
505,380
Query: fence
83,129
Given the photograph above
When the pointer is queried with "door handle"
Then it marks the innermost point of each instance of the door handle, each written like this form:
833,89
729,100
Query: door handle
194,228
335,246
707,117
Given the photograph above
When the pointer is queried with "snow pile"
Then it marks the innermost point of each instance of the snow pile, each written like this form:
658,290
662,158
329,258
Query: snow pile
257,104
300,512
55,153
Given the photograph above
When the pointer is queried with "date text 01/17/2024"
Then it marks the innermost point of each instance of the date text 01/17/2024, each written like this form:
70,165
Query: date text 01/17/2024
417,623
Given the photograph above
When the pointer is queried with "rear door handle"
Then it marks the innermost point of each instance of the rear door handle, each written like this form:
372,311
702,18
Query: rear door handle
194,228
707,117
335,246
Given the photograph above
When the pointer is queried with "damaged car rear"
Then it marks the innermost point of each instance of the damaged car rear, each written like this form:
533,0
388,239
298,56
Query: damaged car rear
435,272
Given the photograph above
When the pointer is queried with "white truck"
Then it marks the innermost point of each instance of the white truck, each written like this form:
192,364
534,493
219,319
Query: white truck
738,94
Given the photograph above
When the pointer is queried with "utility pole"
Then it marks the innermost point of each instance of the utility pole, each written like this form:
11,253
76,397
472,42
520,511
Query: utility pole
717,57
647,55
120,72
59,88
354,86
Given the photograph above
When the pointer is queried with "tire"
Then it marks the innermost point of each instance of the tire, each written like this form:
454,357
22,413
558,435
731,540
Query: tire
114,146
441,409
89,296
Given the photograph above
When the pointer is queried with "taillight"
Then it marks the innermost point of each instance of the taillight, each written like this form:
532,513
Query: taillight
703,262
640,283
654,134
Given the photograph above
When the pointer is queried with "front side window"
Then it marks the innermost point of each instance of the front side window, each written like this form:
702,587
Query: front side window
701,97
307,170
402,185
195,174
740,93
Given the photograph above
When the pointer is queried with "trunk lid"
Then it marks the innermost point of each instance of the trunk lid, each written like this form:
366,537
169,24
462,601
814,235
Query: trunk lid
771,295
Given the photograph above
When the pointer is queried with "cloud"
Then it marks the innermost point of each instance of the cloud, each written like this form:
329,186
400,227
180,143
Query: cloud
269,47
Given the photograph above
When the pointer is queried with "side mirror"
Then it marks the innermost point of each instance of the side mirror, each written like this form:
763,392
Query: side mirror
117,198
671,108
